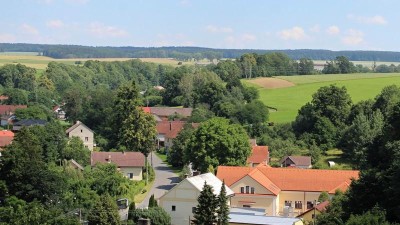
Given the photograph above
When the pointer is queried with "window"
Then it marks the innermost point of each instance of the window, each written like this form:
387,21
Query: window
252,190
247,189
173,208
298,205
310,204
81,130
246,206
130,175
193,209
288,203
241,189
86,138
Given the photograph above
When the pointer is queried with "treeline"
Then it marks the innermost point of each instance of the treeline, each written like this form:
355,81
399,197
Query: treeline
187,53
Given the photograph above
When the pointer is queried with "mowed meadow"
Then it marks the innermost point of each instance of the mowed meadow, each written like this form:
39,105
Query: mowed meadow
289,99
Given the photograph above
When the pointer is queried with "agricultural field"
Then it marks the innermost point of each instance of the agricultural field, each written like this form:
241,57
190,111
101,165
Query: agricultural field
288,100
32,59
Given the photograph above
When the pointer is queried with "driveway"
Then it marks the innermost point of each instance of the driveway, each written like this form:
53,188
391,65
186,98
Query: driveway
165,179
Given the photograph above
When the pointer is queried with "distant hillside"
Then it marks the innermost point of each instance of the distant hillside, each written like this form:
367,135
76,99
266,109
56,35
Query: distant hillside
185,53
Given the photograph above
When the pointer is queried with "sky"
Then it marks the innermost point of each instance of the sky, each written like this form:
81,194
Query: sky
233,24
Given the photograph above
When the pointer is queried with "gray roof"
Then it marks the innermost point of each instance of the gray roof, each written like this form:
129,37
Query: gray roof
30,122
299,160
262,220
212,180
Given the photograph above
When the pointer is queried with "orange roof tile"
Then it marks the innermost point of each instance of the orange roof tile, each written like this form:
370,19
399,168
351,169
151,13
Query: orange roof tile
264,181
293,179
231,174
259,154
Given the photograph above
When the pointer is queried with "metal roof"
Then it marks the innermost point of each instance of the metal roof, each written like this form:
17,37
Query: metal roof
212,180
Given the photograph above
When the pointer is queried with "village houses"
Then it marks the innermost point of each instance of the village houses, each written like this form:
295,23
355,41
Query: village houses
83,132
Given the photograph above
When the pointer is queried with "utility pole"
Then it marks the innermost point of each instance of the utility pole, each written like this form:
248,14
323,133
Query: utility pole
315,204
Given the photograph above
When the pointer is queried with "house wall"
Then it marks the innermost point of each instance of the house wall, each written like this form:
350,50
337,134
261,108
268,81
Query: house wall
296,196
84,134
308,217
250,223
184,198
137,172
262,197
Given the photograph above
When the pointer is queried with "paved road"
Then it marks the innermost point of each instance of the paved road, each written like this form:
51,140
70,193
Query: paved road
165,180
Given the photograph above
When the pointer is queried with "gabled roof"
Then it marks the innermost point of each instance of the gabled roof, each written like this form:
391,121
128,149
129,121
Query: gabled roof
298,160
212,180
10,109
168,111
75,126
264,181
258,155
121,159
171,129
293,179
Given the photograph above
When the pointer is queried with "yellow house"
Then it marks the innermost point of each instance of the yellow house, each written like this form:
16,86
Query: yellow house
309,215
181,200
130,164
282,191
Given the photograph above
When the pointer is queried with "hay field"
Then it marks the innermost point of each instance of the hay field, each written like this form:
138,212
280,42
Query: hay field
289,100
31,59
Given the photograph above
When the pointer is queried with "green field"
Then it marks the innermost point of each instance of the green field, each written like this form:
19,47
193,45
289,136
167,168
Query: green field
289,100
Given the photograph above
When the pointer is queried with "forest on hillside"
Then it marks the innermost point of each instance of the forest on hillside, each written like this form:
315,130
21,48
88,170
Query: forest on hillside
187,53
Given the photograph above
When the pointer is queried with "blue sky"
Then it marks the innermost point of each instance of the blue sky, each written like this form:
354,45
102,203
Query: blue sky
255,24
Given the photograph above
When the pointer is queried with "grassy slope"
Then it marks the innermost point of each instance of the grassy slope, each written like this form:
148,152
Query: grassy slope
289,100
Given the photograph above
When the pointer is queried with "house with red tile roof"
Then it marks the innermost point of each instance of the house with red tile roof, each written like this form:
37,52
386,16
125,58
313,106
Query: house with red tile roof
130,164
259,155
6,137
280,190
303,162
168,130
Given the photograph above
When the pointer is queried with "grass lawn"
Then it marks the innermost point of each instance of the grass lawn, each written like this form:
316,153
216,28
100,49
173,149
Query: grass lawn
334,155
289,100
141,196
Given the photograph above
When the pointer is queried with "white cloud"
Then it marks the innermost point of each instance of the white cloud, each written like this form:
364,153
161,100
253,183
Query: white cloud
7,38
248,37
294,33
377,19
102,30
215,29
333,30
178,39
315,29
354,37
55,24
28,29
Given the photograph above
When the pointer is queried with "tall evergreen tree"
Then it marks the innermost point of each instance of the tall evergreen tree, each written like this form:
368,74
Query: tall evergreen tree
223,209
205,210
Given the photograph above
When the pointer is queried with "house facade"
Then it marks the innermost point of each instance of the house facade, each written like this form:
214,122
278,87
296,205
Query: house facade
282,191
83,132
181,200
130,164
